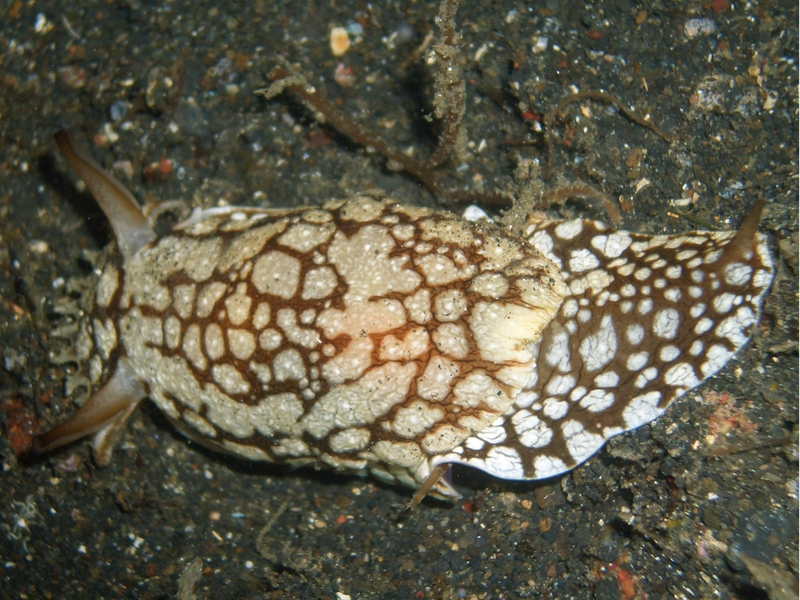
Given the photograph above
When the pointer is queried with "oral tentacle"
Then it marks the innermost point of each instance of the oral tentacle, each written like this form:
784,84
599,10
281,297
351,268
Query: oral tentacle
131,228
103,414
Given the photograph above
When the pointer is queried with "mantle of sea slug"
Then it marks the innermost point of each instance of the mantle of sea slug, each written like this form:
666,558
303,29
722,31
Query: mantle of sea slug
363,332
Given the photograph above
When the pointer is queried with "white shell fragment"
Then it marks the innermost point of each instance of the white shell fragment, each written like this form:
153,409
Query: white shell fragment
340,41
696,27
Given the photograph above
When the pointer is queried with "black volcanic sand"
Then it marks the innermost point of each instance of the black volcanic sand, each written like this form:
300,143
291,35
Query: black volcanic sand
700,504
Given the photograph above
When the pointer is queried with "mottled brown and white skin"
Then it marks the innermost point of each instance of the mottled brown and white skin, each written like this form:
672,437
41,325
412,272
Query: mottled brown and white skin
375,337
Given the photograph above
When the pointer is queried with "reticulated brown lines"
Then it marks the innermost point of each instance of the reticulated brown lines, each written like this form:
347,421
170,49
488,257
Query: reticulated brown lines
387,339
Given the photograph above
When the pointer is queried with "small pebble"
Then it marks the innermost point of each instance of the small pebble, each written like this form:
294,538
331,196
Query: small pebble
772,99
125,167
39,247
696,27
344,75
73,76
118,110
355,28
111,135
42,25
340,41
405,33
720,6
540,44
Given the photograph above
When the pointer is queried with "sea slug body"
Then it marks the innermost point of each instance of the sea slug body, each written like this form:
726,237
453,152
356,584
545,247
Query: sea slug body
381,338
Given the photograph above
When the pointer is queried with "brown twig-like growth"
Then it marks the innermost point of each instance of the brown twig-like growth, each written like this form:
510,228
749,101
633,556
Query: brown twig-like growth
551,115
346,126
423,171
562,193
449,107
449,100
570,190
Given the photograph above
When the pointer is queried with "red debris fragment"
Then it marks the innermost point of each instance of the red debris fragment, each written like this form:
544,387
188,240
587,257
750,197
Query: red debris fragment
157,171
317,139
21,425
625,582
531,116
626,585
720,6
